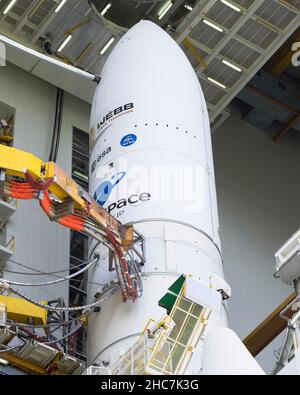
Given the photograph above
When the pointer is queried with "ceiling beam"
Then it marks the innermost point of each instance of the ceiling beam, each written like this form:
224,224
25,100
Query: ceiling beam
231,33
24,19
192,19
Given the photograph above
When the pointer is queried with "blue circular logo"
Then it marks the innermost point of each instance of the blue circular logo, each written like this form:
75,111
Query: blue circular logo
128,140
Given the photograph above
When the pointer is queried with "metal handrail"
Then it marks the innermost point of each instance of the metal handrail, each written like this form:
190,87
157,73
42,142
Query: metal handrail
11,244
281,314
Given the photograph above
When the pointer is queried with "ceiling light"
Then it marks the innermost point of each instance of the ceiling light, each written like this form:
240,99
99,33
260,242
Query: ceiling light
106,46
234,7
65,42
188,7
60,6
105,9
207,22
216,83
233,66
3,362
9,7
165,9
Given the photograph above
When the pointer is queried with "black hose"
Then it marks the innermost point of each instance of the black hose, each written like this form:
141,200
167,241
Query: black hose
61,106
54,126
57,125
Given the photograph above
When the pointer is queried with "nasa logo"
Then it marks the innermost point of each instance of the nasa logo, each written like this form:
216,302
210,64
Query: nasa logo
104,190
128,140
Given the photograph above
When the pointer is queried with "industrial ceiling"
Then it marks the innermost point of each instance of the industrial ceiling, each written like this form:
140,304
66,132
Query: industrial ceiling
227,42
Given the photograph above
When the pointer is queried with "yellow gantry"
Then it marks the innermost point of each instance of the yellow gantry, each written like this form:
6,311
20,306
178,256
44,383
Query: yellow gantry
21,311
16,162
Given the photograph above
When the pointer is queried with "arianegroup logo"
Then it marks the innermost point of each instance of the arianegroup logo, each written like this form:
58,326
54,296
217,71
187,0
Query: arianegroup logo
104,190
128,140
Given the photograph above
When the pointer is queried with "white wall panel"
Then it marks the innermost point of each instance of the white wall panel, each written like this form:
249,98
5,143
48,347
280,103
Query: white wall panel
39,243
258,196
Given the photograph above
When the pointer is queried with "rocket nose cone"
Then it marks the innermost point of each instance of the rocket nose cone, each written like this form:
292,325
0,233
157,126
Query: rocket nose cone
144,27
151,37
144,37
149,68
147,52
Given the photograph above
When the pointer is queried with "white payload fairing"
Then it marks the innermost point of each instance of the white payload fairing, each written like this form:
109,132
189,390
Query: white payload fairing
152,166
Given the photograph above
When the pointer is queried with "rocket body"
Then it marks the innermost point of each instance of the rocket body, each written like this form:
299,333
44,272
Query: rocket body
152,166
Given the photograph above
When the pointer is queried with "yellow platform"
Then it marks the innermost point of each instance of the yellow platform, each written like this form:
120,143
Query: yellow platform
20,310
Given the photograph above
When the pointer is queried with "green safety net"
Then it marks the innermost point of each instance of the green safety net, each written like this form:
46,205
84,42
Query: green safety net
169,299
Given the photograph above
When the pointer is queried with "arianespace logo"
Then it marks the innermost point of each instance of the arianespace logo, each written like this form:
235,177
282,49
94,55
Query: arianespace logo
128,140
104,190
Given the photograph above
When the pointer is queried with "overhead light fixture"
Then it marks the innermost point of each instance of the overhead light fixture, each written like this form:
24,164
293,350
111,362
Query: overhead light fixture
216,27
65,42
3,362
165,9
105,9
233,6
106,46
188,7
60,6
9,7
217,83
233,66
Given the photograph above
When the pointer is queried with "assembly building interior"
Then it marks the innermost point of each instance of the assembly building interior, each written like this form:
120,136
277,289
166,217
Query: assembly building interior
102,291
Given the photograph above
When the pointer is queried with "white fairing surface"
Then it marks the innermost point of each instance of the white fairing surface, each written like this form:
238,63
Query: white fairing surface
152,165
225,354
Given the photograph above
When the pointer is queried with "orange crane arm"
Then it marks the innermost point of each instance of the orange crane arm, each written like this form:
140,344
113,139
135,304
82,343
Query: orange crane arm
24,176
48,177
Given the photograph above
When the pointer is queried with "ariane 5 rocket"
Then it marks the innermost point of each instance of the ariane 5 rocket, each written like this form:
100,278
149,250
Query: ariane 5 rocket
152,166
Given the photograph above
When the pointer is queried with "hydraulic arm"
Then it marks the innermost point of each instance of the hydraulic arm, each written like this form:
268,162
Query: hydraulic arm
24,176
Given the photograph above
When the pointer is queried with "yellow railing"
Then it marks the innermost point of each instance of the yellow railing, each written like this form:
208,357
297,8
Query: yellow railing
168,348
173,350
10,244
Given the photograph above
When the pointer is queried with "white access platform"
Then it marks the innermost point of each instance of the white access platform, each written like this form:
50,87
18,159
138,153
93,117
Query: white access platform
7,209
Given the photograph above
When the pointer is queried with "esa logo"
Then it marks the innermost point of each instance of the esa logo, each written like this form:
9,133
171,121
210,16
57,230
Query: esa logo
104,190
100,157
128,140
